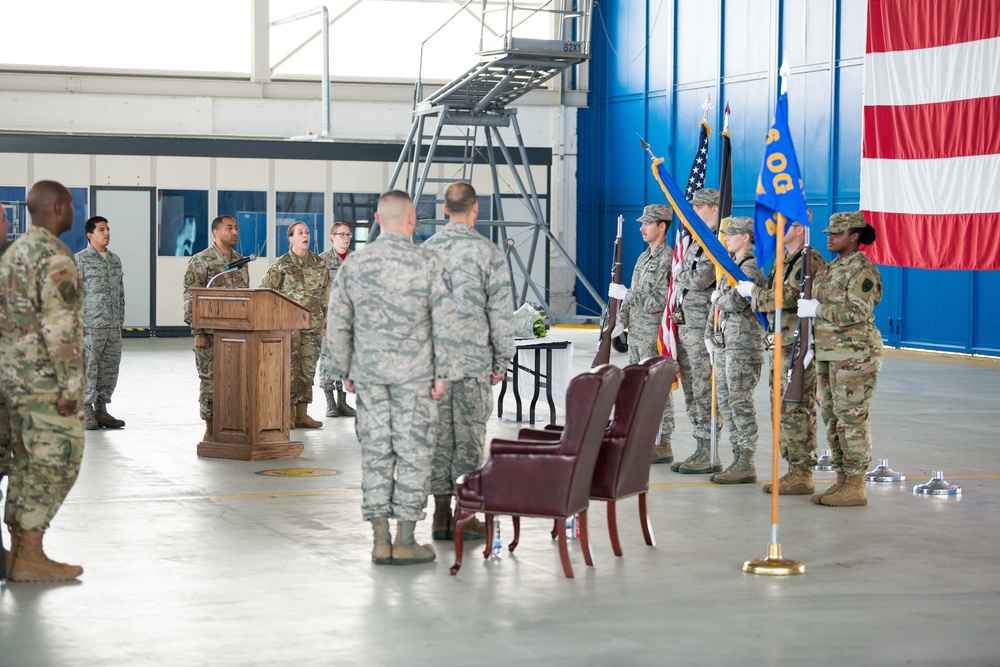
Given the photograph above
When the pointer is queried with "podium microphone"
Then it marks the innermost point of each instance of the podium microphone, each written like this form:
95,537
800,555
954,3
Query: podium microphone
241,262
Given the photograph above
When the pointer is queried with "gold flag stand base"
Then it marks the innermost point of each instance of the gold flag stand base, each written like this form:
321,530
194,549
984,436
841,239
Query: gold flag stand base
774,564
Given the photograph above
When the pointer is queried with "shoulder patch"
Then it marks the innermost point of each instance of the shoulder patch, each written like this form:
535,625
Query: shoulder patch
67,290
867,285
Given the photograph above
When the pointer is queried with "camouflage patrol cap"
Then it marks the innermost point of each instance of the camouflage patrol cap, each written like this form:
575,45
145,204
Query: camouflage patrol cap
705,197
655,212
841,222
740,225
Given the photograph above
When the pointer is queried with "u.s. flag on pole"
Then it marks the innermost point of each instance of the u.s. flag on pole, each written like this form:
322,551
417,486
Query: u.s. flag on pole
930,159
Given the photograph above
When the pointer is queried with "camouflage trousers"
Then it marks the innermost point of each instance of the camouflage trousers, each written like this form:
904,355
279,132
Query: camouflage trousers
461,432
696,380
636,353
846,388
737,373
305,355
396,425
46,460
206,389
6,437
326,381
798,420
103,348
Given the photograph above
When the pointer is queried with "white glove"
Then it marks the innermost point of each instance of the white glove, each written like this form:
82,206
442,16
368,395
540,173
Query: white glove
808,307
617,331
710,346
715,296
745,288
616,291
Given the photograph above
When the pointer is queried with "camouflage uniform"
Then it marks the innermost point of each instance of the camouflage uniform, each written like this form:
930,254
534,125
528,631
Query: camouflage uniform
483,305
103,317
392,318
326,381
200,270
696,281
642,312
41,361
798,420
848,356
306,281
739,359
5,433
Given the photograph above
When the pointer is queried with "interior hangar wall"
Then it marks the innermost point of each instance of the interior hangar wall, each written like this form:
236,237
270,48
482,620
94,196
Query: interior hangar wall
655,62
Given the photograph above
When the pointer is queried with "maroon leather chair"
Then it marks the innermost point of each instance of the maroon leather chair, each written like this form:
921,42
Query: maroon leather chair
622,469
547,478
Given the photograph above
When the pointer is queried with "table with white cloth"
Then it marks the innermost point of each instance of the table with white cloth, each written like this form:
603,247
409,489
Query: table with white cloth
538,364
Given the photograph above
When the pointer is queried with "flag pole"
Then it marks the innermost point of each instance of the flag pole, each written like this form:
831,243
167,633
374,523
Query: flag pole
774,564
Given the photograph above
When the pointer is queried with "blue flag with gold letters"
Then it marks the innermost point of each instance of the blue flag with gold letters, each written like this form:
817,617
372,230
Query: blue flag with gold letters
779,187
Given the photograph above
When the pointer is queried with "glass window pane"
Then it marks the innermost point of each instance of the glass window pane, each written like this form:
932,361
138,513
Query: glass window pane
304,207
183,226
250,210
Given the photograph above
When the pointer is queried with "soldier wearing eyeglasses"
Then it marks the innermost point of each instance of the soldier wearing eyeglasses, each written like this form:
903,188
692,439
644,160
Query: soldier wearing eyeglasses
334,256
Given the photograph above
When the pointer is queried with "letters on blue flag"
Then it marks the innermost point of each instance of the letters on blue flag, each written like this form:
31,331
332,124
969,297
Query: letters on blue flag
699,230
779,187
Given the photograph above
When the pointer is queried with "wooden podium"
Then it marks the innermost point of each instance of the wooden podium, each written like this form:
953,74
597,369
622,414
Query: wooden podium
251,361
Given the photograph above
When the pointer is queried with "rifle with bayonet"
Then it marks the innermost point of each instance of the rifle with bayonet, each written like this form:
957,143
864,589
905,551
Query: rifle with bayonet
610,318
802,344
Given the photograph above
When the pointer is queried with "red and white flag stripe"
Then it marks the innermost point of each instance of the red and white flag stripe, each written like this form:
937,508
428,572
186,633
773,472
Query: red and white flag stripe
930,168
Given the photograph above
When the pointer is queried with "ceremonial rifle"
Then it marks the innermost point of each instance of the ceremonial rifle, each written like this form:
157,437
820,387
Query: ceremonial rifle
610,318
802,352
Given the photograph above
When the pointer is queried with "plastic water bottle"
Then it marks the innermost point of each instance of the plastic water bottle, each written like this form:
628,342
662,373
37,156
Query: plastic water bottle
497,540
572,528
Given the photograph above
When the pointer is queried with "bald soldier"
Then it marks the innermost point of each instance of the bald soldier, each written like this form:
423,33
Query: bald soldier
391,331
41,379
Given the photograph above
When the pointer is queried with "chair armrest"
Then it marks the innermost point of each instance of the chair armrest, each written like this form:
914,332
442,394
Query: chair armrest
535,434
554,427
499,446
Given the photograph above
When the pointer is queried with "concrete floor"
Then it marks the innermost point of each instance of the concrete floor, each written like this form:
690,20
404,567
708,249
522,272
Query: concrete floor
207,562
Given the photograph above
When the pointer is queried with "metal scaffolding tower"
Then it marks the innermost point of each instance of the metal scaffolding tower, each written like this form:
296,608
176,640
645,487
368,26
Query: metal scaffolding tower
446,130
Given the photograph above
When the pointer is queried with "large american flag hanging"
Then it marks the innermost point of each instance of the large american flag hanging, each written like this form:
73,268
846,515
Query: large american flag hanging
930,167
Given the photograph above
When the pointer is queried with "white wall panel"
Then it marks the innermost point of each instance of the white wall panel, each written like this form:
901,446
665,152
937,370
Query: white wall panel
123,170
359,177
70,170
190,173
14,169
299,176
170,291
241,174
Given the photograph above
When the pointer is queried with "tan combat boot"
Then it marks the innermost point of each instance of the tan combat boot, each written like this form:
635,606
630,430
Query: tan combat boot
302,420
91,421
662,453
741,472
699,463
405,550
817,497
105,419
474,530
343,408
31,564
795,482
331,403
443,522
208,430
851,494
382,551
15,537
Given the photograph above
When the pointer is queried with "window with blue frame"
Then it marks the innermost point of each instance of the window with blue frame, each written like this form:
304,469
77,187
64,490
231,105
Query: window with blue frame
358,210
183,222
12,200
304,207
76,238
249,208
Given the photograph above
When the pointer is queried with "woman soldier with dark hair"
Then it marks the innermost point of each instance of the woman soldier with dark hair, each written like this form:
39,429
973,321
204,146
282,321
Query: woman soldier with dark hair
848,353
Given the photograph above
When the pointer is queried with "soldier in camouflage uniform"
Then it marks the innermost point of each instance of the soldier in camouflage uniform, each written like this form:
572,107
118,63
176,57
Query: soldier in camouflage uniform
392,329
643,304
5,435
798,420
848,353
334,256
103,318
301,275
484,307
41,379
695,283
738,352
203,267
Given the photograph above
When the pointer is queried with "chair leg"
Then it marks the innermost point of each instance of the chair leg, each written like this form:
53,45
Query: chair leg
555,531
488,549
584,542
647,525
461,518
563,550
516,520
613,529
